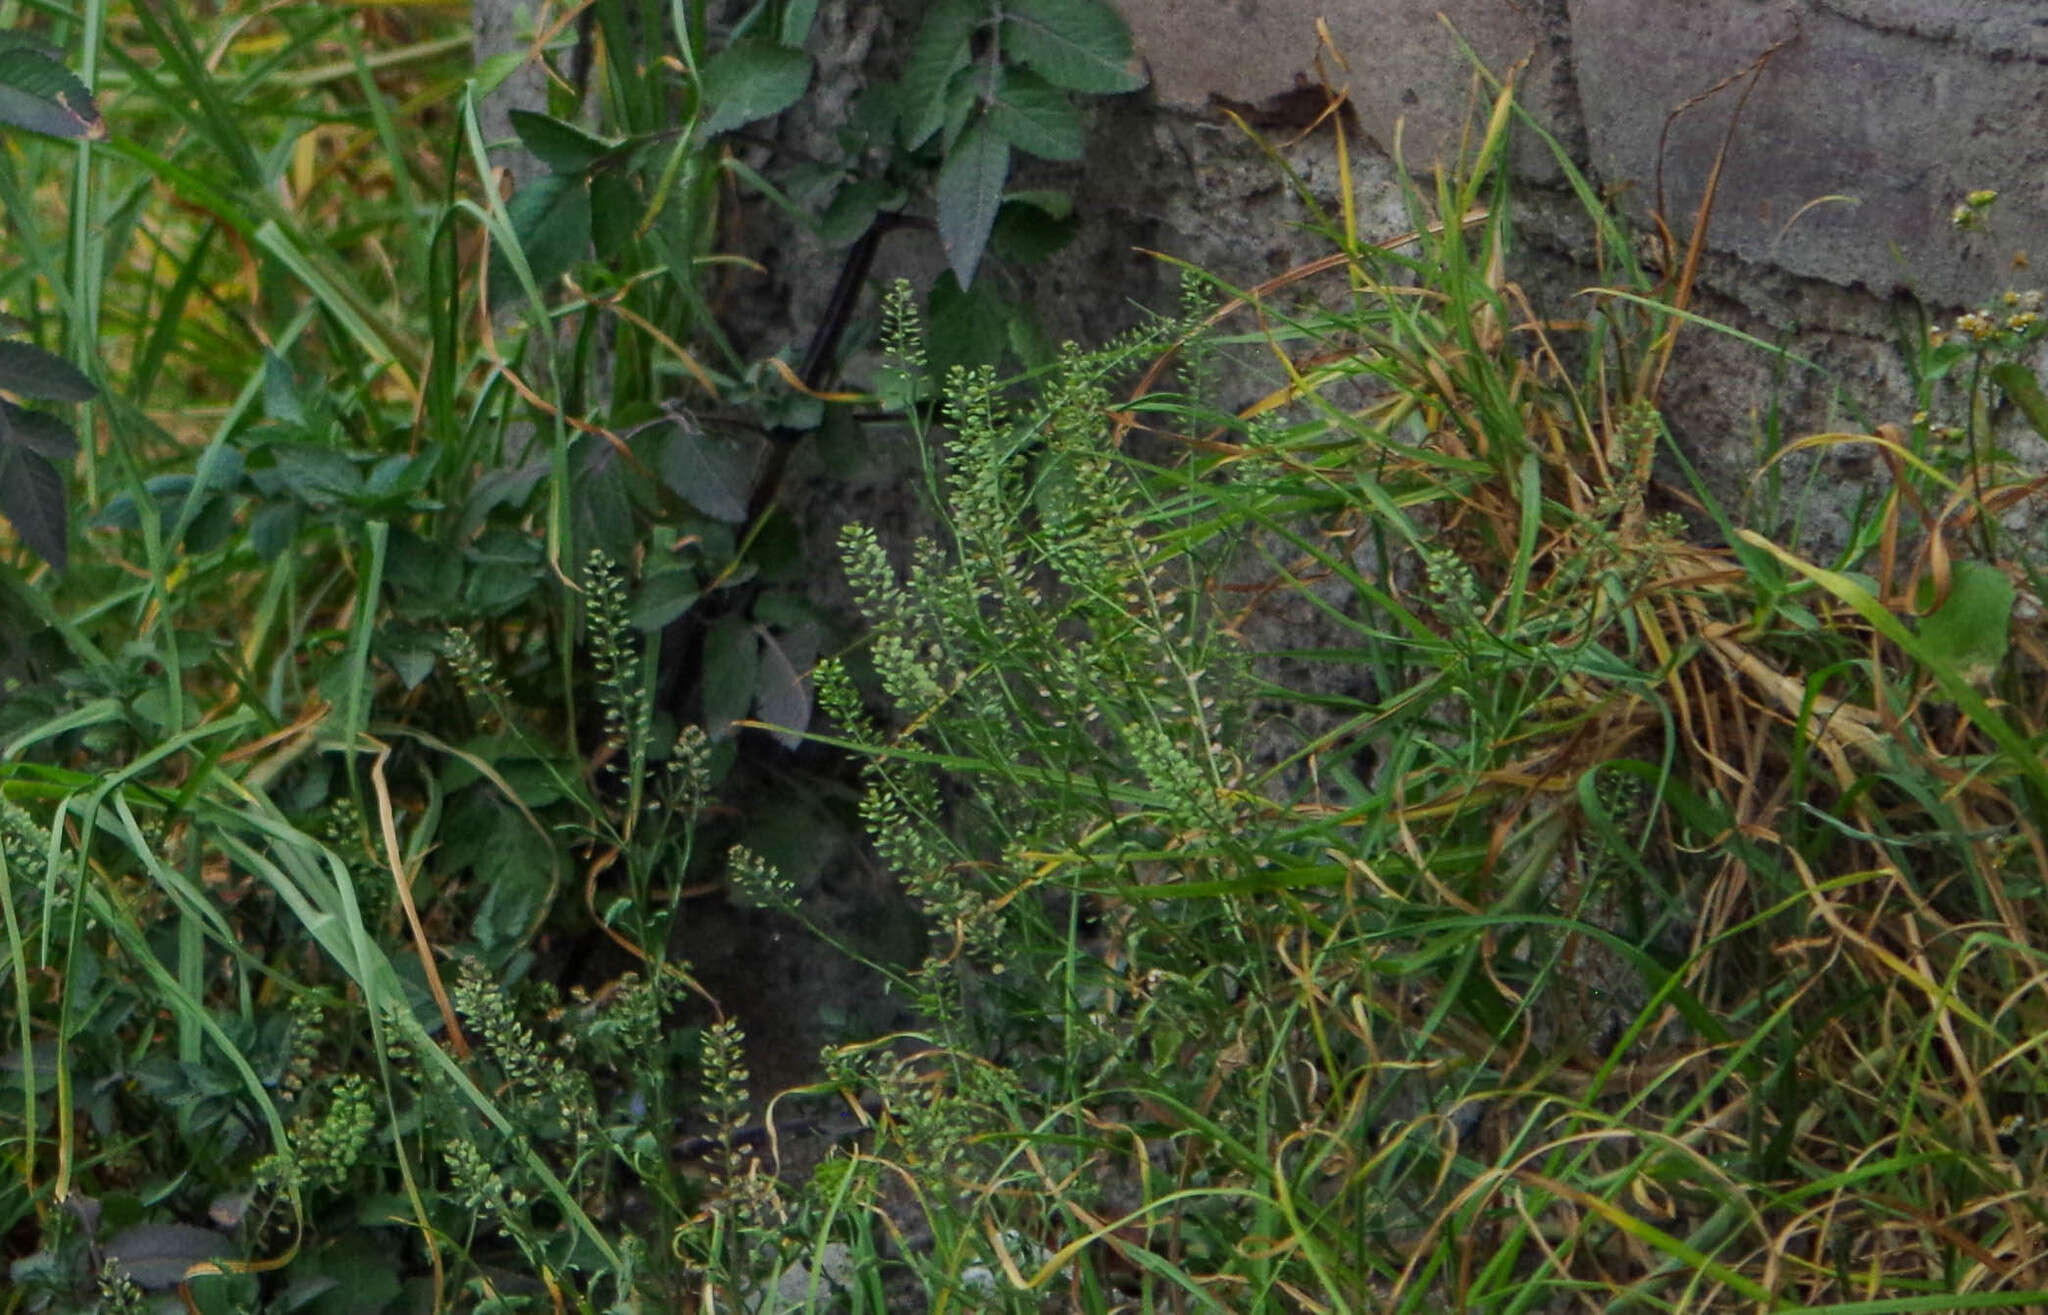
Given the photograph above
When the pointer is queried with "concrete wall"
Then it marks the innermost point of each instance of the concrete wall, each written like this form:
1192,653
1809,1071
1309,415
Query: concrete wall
1896,107
1864,128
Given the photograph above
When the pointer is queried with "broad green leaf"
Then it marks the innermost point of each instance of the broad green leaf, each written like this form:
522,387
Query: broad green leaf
397,475
732,666
1081,45
155,1256
1025,233
1050,201
663,597
519,883
970,192
600,504
211,525
551,215
969,327
1973,625
2020,752
40,95
2024,390
39,432
787,608
281,392
407,652
562,147
272,529
502,486
317,476
751,80
797,18
783,699
495,590
1035,116
32,497
712,472
422,575
615,215
161,494
1028,340
29,371
351,1275
855,208
943,47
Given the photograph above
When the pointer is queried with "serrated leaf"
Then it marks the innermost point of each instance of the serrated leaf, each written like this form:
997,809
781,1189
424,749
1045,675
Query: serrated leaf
712,472
562,147
518,881
156,1256
281,392
500,486
663,597
1973,625
16,39
40,95
1081,45
495,590
970,192
751,80
32,498
318,476
397,475
551,217
943,47
1035,116
29,371
783,698
40,432
2024,391
732,668
600,504
272,529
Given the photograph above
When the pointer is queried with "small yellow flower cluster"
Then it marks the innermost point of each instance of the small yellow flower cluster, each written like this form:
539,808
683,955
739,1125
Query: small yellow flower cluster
1976,325
2015,314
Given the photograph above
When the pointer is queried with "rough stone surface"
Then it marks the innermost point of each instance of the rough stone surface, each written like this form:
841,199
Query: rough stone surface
1867,125
1898,110
1871,119
1408,78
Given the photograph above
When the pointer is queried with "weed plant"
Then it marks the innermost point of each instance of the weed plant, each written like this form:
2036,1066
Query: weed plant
1663,932
1657,930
